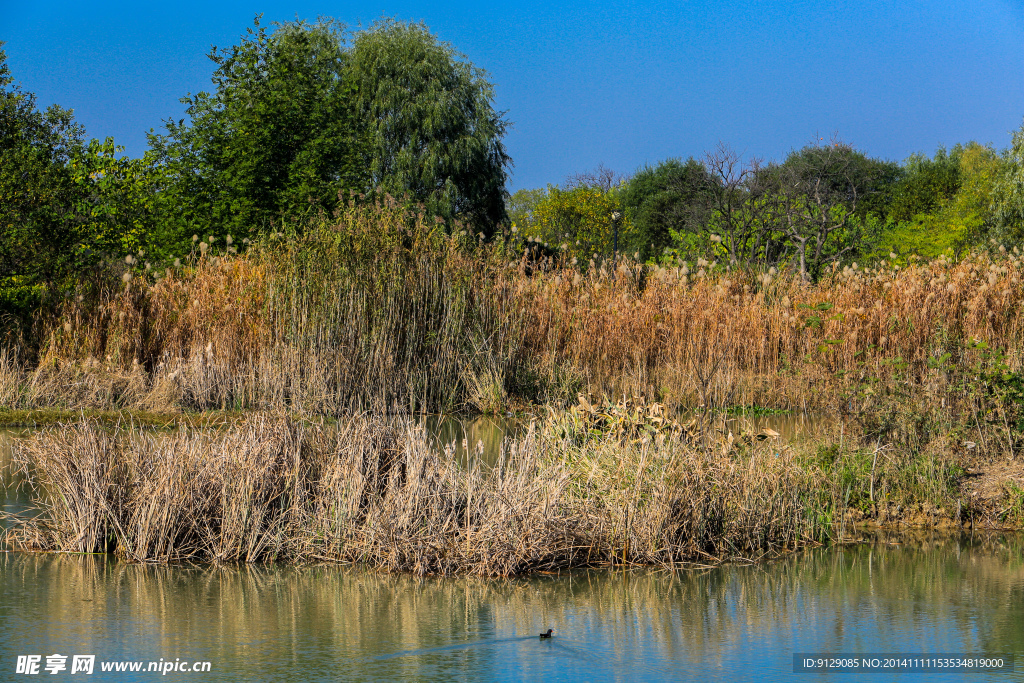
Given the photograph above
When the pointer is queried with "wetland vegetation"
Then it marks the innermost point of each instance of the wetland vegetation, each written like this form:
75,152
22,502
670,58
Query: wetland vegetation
288,331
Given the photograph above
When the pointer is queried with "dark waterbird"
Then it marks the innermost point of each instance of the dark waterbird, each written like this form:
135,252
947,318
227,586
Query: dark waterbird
548,634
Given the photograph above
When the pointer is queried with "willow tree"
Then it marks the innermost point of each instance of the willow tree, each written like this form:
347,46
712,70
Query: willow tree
434,135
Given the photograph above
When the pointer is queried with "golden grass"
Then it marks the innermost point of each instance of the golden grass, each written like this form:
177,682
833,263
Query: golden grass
377,311
380,311
375,492
750,338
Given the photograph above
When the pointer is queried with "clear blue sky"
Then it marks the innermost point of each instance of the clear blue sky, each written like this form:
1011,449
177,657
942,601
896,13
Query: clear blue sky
620,83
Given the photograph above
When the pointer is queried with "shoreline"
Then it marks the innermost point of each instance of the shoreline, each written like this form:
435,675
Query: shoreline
366,491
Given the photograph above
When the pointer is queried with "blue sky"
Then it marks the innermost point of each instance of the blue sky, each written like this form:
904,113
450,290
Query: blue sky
621,84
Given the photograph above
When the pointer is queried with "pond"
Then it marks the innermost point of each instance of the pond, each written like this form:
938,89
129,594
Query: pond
920,595
917,594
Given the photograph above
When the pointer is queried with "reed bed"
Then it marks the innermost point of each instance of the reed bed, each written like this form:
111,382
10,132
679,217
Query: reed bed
697,335
378,310
375,492
381,309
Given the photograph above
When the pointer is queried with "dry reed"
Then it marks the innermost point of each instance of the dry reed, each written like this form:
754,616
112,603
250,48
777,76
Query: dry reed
377,493
379,310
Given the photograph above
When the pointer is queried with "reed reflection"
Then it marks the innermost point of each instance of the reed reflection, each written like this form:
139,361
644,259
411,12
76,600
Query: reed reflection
912,593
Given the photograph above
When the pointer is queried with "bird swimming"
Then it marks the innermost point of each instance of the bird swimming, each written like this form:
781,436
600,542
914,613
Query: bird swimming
548,634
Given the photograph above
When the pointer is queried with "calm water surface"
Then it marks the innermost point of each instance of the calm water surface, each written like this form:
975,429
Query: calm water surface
919,593
481,436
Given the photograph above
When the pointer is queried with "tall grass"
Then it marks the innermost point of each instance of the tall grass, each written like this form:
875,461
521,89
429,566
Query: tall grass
379,309
376,492
376,310
752,338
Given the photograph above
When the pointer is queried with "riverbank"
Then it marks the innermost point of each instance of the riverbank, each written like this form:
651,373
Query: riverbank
344,326
575,490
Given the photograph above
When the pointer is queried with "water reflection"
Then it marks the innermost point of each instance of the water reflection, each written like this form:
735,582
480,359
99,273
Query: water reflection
924,593
790,427
908,593
485,433
475,437
14,500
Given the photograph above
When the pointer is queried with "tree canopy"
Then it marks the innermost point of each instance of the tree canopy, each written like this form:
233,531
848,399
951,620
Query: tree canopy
303,113
432,130
37,191
277,136
64,204
1009,191
579,222
667,198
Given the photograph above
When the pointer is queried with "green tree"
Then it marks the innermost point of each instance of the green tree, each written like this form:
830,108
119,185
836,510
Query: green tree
820,190
65,205
670,197
41,231
924,185
953,196
845,175
278,136
522,204
433,132
116,205
740,203
579,222
1008,192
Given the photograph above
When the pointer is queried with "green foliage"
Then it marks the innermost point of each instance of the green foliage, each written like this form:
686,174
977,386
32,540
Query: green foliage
955,194
813,209
581,220
521,205
925,236
844,174
433,133
64,204
824,192
996,391
1008,192
806,210
669,198
278,136
116,208
925,186
38,195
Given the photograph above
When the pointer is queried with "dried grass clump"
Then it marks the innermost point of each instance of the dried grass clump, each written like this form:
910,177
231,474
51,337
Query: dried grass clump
375,492
12,377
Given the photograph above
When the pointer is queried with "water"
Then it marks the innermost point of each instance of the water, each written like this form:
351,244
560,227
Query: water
924,593
480,436
474,437
13,498
329,623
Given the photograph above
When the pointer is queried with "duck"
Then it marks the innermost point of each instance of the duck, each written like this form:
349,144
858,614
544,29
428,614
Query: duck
548,634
